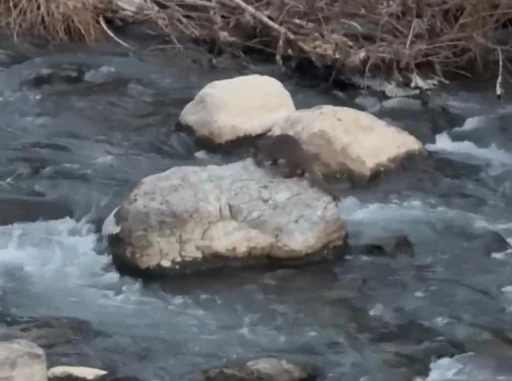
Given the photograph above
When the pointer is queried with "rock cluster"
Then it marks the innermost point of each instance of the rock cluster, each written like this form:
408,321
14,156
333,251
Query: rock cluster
197,217
22,360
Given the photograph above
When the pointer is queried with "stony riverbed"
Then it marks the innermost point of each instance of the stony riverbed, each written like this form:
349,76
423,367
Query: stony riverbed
86,142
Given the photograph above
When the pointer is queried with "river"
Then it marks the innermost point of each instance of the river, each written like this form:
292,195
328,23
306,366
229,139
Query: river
87,144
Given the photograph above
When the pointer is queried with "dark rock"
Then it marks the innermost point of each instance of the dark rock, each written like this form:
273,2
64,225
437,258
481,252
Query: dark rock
422,122
31,209
263,369
489,242
109,377
486,131
67,74
389,246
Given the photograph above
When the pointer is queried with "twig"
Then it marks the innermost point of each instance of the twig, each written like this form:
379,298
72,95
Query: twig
111,34
411,32
499,81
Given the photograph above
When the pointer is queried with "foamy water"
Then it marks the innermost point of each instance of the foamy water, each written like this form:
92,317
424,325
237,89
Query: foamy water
466,367
52,268
374,218
469,152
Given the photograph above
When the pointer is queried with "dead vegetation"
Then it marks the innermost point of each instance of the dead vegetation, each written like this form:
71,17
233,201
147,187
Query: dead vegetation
58,20
398,38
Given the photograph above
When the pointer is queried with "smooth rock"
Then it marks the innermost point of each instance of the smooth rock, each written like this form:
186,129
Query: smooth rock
231,212
242,106
22,360
263,369
342,137
62,372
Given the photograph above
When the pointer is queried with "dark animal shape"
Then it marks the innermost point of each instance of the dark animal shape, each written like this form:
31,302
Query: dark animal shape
286,150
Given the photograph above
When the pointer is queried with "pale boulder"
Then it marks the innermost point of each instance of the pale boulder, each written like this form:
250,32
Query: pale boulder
242,106
343,137
262,369
22,360
81,372
197,215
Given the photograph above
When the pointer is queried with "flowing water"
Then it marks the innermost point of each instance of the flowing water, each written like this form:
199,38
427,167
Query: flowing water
365,318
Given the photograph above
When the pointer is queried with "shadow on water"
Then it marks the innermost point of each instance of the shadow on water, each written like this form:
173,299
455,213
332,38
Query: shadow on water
87,143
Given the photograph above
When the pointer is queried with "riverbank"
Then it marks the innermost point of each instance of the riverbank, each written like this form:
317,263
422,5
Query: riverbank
413,45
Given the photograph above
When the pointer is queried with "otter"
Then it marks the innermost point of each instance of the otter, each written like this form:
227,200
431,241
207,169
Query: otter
297,162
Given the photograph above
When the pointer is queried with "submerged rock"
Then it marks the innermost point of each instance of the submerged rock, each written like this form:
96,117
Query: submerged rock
231,108
368,103
31,209
390,246
22,360
263,369
199,217
486,131
423,121
345,138
488,242
63,74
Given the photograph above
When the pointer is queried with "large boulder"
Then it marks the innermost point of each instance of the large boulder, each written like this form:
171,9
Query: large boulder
342,138
232,108
22,360
197,217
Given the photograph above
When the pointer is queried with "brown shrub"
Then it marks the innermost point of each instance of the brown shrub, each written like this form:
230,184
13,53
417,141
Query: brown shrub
393,37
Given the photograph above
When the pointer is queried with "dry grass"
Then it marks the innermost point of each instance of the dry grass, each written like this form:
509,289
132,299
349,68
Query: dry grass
392,37
59,20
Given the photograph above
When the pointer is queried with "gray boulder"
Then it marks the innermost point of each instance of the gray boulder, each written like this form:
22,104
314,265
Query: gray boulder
193,217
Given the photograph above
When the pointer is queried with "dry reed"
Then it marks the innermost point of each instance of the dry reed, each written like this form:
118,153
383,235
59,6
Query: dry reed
393,37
